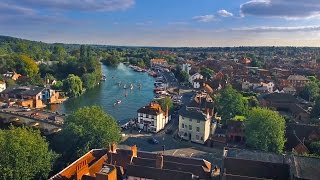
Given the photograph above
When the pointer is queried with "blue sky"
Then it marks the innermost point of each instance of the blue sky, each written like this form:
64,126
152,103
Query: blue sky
164,22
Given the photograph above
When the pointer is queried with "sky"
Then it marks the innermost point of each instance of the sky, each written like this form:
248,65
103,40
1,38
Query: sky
173,23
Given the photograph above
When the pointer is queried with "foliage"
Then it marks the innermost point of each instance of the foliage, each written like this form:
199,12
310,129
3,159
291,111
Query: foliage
166,103
89,80
24,154
264,130
27,66
59,53
315,112
230,103
239,118
182,76
310,91
206,73
73,85
10,83
57,86
86,129
315,147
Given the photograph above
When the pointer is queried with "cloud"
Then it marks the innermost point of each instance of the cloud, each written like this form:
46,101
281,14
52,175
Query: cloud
204,18
278,29
79,5
288,9
8,9
224,13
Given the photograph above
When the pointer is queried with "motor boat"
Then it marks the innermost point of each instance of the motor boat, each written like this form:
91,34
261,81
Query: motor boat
117,102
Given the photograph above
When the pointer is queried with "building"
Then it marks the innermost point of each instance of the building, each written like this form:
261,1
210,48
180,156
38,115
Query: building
30,96
158,62
194,77
246,164
298,81
151,118
2,86
186,67
118,164
194,125
11,75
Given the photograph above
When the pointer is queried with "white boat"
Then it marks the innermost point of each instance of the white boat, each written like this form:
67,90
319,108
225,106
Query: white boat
131,86
117,102
125,86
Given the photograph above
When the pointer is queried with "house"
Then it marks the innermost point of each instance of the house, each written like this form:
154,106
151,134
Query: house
235,131
151,118
285,103
246,164
11,75
298,81
117,164
245,60
186,67
30,96
195,76
290,90
158,62
2,86
194,125
197,83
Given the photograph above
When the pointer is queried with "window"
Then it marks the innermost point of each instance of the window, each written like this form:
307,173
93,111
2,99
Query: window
198,129
190,127
182,125
198,121
201,138
197,137
185,134
190,119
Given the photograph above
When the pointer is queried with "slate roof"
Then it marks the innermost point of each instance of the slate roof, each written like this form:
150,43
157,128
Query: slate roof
23,90
193,114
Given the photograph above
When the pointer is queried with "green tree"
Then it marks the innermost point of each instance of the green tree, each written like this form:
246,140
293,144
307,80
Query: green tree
166,103
57,86
230,103
10,82
310,91
89,80
265,130
24,154
315,112
315,147
86,129
73,85
206,73
27,66
59,53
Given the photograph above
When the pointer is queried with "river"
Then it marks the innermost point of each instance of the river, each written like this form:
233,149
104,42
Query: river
108,92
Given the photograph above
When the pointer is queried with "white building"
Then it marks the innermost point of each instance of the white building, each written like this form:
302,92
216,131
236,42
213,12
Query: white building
186,67
2,86
194,125
152,118
195,76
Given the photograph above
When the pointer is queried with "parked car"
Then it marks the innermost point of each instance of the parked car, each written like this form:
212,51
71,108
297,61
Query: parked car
153,141
34,114
53,118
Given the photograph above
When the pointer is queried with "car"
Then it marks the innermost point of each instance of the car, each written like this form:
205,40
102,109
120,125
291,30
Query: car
26,109
53,118
153,141
34,114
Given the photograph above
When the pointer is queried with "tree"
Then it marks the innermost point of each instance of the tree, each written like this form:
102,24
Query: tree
310,91
231,103
183,76
265,130
59,53
206,73
166,103
73,85
24,154
86,129
315,112
27,66
10,82
57,86
89,80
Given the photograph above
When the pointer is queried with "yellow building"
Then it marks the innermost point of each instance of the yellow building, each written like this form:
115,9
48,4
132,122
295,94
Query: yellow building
194,125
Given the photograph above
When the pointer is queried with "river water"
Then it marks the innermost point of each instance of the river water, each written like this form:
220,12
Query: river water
108,92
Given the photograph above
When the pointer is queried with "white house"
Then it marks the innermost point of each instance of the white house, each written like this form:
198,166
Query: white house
194,125
186,67
151,118
2,86
261,87
195,76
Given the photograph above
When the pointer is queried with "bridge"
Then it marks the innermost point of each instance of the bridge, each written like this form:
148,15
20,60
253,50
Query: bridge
47,122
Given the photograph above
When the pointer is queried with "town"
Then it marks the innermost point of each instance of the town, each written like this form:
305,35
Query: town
212,109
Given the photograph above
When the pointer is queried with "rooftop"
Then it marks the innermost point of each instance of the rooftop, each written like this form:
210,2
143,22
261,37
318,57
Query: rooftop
23,90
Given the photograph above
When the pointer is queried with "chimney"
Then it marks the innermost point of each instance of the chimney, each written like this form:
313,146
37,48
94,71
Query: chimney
113,148
134,151
159,161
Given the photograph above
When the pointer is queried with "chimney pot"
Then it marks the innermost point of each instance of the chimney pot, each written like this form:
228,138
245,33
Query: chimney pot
159,161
